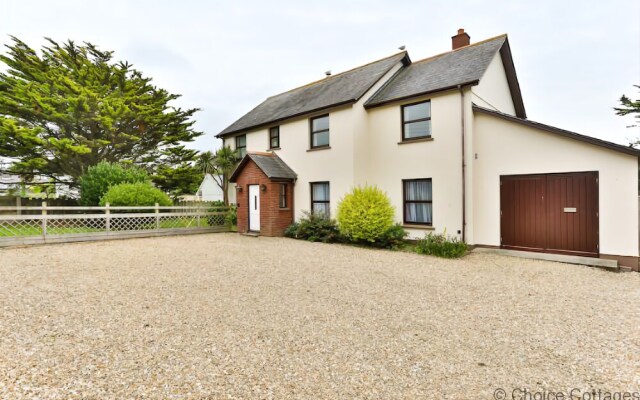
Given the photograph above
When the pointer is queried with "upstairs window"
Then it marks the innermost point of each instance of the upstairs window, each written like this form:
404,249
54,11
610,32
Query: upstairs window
320,132
241,145
418,201
274,137
416,121
320,198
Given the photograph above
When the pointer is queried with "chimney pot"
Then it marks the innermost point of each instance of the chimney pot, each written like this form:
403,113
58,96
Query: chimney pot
460,40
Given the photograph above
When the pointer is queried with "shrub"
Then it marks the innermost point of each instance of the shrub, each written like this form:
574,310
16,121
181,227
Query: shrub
314,228
441,245
393,238
135,194
100,177
231,218
366,215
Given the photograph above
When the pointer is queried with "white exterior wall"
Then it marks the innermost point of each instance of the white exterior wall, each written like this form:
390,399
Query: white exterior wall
439,159
335,164
209,190
508,148
493,90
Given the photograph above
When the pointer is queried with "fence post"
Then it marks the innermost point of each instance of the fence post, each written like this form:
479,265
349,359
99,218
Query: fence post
157,216
19,205
44,219
107,215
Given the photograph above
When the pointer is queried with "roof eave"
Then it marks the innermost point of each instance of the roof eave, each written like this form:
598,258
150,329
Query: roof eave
512,79
278,120
421,94
562,132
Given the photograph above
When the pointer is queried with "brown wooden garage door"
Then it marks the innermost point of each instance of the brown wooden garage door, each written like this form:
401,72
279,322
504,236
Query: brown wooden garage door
555,213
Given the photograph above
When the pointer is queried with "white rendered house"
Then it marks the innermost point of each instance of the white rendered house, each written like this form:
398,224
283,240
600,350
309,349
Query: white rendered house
448,139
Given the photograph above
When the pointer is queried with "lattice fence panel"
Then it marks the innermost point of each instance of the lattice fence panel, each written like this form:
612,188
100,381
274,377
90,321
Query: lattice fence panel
64,226
119,224
20,227
215,220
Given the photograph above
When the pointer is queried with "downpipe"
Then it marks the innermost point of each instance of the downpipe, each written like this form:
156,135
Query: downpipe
464,186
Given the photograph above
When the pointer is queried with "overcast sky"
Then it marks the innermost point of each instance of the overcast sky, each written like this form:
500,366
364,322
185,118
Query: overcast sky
573,58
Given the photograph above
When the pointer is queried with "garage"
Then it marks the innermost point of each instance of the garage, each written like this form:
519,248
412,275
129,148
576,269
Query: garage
555,213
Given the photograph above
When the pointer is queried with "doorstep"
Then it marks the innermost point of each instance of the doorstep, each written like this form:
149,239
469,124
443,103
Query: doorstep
251,233
611,265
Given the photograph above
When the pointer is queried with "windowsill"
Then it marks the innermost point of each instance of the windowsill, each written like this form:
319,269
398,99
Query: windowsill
425,139
319,148
284,209
274,148
423,227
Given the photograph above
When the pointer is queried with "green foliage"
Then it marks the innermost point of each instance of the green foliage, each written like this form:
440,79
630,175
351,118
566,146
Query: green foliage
314,228
100,177
231,218
365,215
630,107
441,245
72,106
135,194
224,162
393,238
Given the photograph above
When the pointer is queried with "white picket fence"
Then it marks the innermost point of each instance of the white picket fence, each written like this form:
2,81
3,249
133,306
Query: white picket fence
36,225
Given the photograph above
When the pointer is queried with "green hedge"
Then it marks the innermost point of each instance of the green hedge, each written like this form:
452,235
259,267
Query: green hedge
100,177
135,194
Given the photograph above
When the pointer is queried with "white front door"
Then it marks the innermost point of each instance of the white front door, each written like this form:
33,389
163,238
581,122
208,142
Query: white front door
254,208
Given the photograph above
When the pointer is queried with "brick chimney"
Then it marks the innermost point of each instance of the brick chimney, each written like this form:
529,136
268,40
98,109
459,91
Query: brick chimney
460,40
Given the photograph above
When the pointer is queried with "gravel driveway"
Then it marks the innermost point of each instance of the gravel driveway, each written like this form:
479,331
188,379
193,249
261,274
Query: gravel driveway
227,316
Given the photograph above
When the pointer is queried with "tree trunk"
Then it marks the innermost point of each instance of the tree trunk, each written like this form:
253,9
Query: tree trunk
225,190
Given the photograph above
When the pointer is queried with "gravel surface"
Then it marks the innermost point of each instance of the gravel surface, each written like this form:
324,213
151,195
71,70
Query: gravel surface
233,317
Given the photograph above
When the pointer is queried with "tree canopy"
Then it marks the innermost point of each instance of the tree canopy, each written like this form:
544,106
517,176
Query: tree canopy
72,106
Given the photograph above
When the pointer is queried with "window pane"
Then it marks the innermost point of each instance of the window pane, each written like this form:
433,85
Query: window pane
242,151
418,212
417,129
241,141
320,192
274,131
320,139
418,190
274,142
283,195
321,209
417,111
320,124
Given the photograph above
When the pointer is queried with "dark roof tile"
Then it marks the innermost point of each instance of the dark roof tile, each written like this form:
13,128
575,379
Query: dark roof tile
465,65
343,88
272,166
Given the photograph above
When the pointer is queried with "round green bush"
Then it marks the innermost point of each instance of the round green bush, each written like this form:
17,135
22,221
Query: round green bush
100,177
365,215
135,194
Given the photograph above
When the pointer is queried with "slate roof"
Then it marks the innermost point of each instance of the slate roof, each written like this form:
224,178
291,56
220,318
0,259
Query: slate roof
344,88
463,66
272,166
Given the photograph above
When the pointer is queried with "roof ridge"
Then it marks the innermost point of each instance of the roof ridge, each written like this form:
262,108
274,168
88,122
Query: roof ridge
338,74
459,48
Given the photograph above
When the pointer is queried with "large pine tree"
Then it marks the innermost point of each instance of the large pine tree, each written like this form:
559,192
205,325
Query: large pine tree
72,106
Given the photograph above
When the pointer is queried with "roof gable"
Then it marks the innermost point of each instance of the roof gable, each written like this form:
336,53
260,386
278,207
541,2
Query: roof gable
269,163
339,89
463,66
